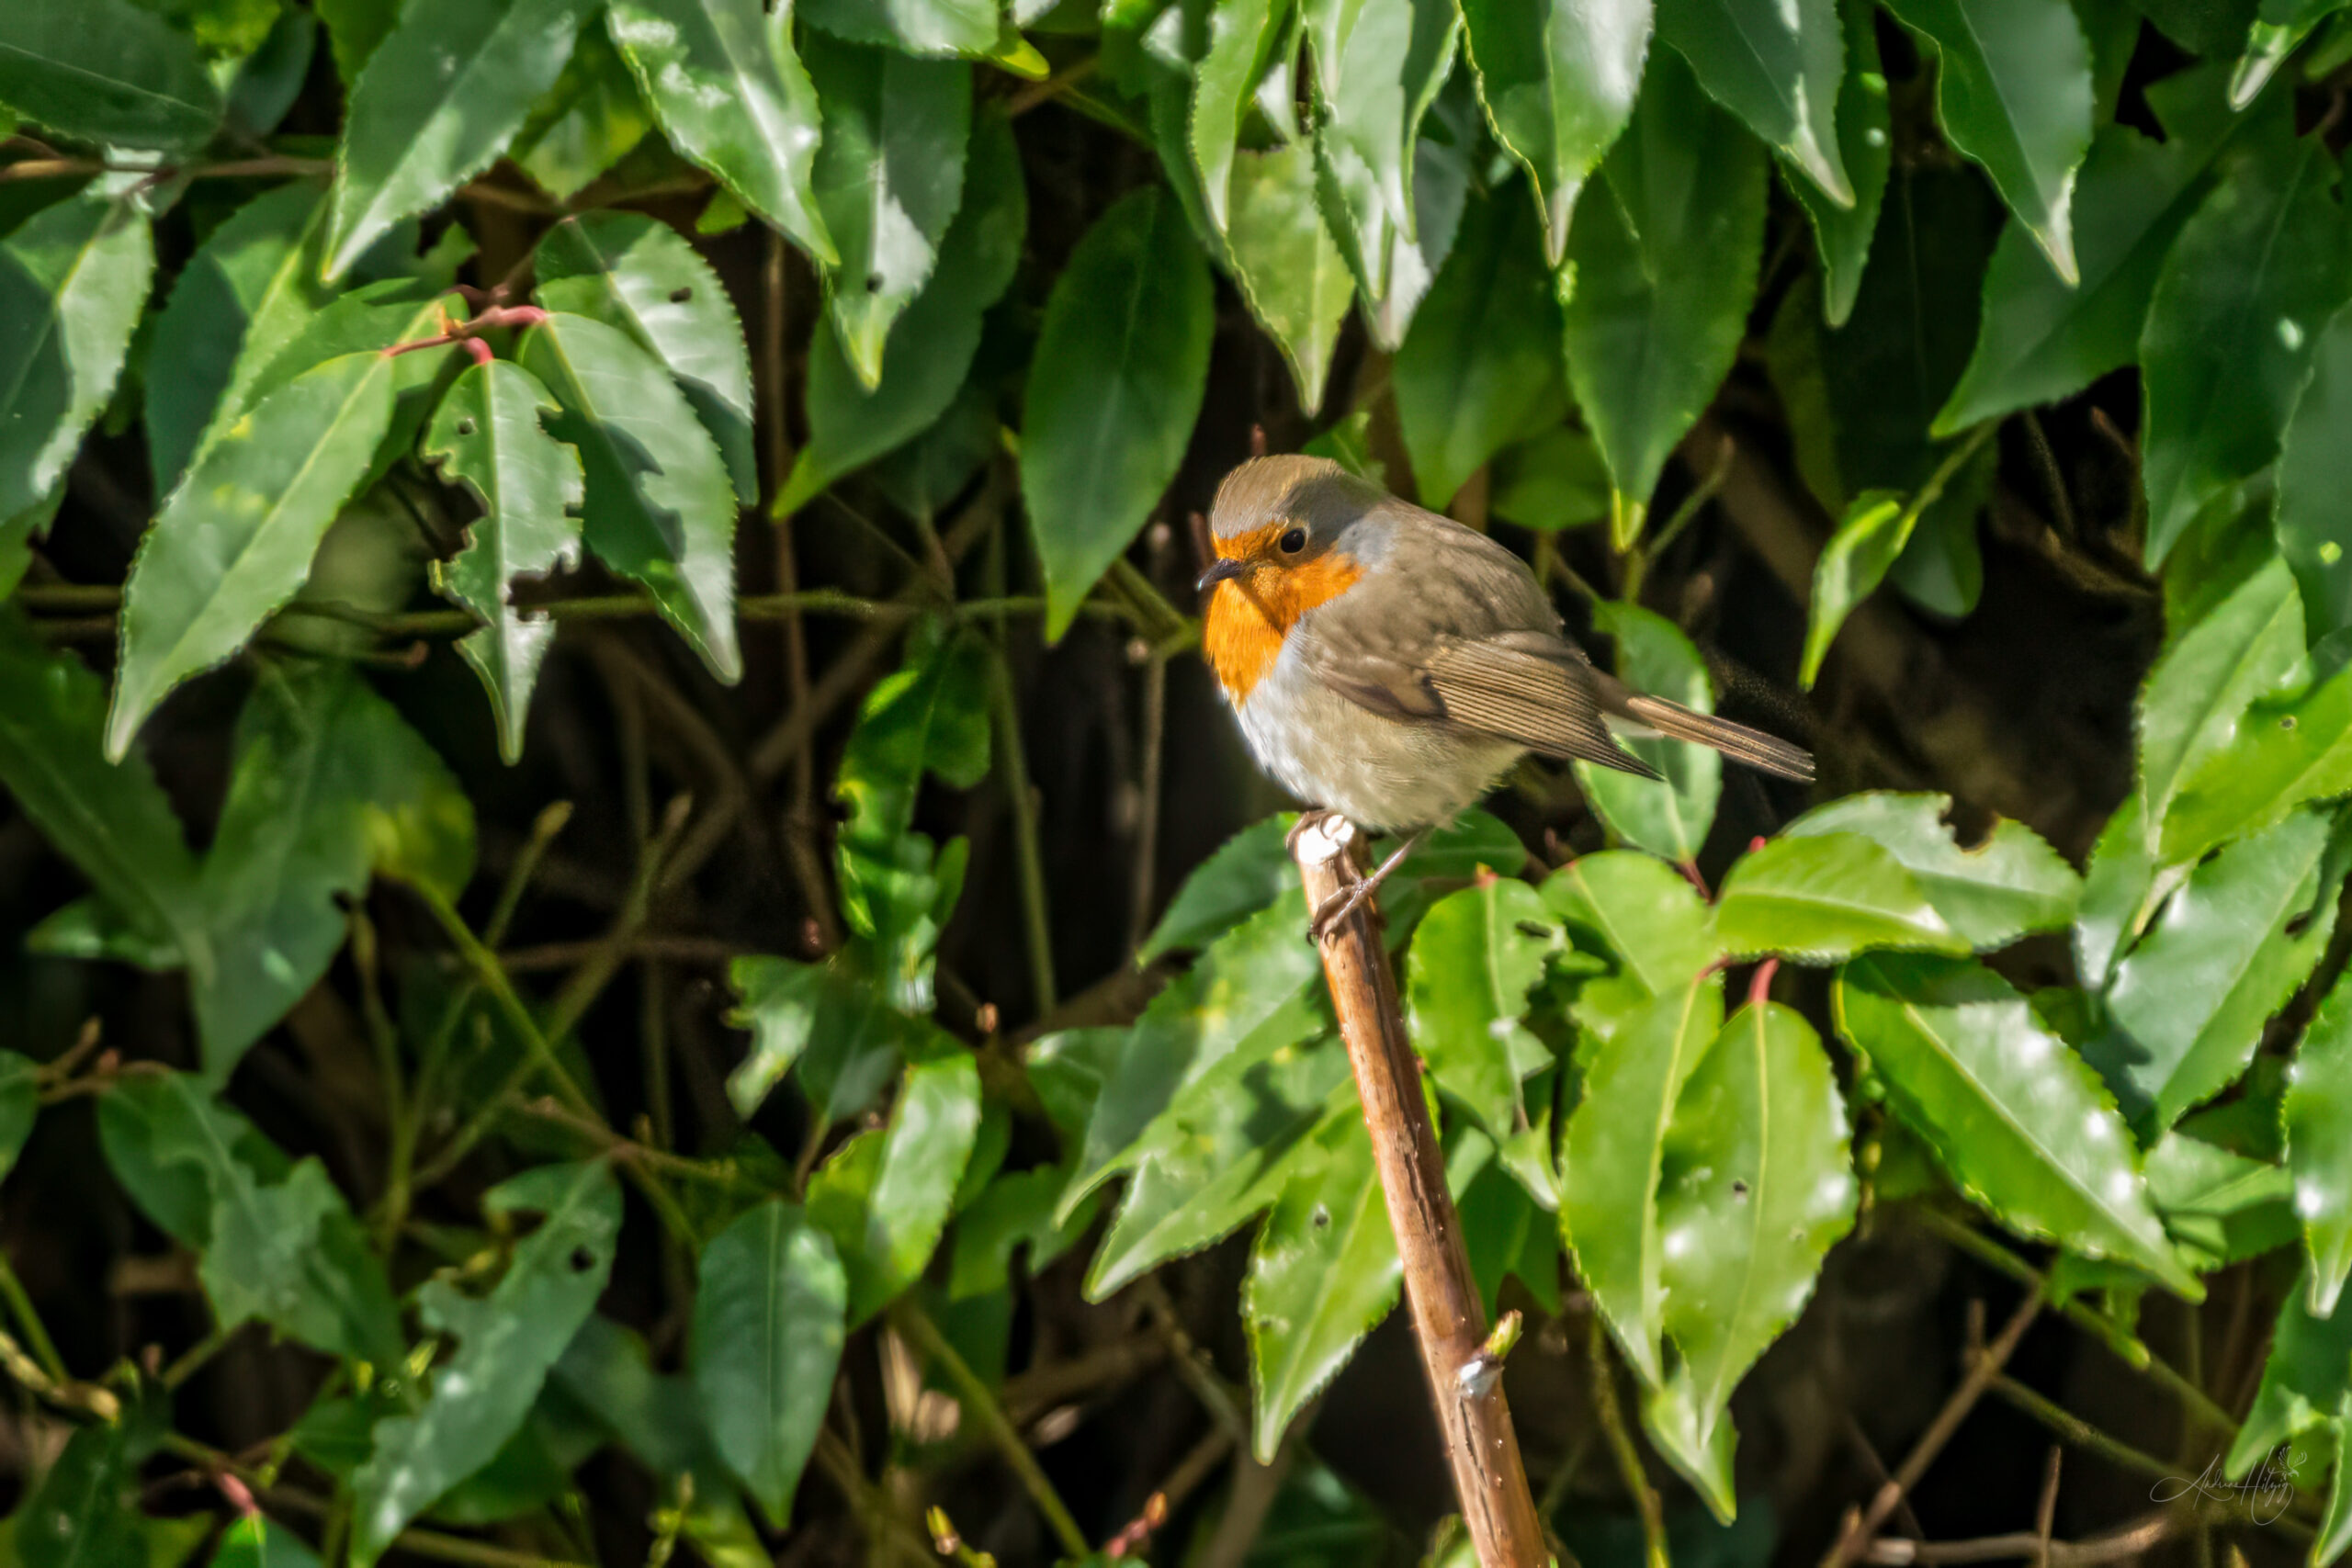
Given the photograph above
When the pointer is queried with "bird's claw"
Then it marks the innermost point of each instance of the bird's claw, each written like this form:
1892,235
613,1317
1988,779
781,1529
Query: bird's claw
1338,907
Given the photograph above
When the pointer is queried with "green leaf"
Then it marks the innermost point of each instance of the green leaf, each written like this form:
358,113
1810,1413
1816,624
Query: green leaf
1477,371
917,26
1823,898
508,1342
1250,872
253,1543
1866,146
1474,957
2312,531
1322,1273
245,294
1644,913
1612,1157
2287,752
887,178
1756,1188
487,434
84,1513
1669,816
1290,270
111,819
2304,1381
2120,890
587,122
2219,1207
20,1105
1558,80
1378,66
885,1196
291,1255
2042,338
1241,39
1780,69
831,1021
2318,1116
2010,884
634,273
151,1125
108,71
1126,331
73,278
2022,1123
2232,327
329,784
768,1339
931,347
234,542
731,95
2251,643
658,505
2195,994
1872,534
442,96
2013,94
1552,481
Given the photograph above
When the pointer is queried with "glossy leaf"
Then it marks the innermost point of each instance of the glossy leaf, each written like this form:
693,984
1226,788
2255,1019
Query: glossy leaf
917,27
2043,338
1378,66
1824,899
2219,1207
2021,1123
488,435
1474,957
658,504
1126,329
1250,872
931,347
506,1343
234,542
2120,890
108,71
73,278
885,1196
1780,69
2218,962
1671,816
1323,1272
730,93
1612,1158
1866,148
630,272
2238,307
2318,1117
2312,535
767,1339
2010,884
1241,39
2249,644
2288,751
1475,372
831,1023
1559,81
588,121
2304,1381
2013,94
442,96
1646,915
1872,534
1289,267
1756,1188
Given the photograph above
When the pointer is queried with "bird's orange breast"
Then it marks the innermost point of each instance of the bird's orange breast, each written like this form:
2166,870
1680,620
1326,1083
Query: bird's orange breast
1250,615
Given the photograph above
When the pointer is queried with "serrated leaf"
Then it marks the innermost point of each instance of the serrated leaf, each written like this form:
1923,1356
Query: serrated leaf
2011,884
1250,872
1559,81
1756,1188
885,1196
768,1339
2217,963
2220,1208
488,435
1779,68
1642,912
1323,1272
2013,94
2020,1121
506,1343
2288,751
731,95
931,347
1820,899
151,1126
2312,476
1872,534
1611,1157
830,1022
658,506
441,96
2318,1117
2304,1381
1126,329
1474,957
2238,308
887,178
588,121
2251,643
1669,816
108,71
1477,370
1241,39
917,26
235,540
639,275
1866,148
1290,273
73,278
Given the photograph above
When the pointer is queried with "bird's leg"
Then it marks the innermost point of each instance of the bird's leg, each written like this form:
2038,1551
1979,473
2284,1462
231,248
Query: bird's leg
1313,817
1347,900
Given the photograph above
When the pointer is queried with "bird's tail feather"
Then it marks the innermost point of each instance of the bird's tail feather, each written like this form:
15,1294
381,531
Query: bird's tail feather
1768,753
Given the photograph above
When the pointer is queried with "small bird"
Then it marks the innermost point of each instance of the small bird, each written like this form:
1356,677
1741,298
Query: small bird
1390,665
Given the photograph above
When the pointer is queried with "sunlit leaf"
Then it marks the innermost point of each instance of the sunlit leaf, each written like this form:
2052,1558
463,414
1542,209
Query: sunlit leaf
2318,1116
2011,884
884,1197
1872,534
73,278
1866,148
2249,644
1667,816
1779,68
1559,81
587,122
1474,956
2303,1381
1241,39
1290,270
1644,914
1820,899
1248,873
109,71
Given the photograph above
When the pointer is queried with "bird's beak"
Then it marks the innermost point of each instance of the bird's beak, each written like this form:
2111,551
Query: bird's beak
1223,570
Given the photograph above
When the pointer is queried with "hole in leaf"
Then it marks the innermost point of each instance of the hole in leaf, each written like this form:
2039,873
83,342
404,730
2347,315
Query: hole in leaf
582,1259
681,294
874,283
1322,1218
1530,928
2287,721
1739,1188
465,427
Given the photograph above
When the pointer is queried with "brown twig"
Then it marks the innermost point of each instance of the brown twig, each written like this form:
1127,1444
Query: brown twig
1448,1320
2118,1546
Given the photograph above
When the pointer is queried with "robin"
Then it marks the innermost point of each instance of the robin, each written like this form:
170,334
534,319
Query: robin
1390,665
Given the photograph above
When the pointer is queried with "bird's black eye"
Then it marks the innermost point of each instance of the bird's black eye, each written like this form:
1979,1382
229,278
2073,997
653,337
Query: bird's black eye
1293,542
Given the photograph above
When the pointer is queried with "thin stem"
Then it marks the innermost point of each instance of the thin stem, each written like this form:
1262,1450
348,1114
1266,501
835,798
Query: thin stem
21,1307
1146,854
485,967
1620,1445
1015,765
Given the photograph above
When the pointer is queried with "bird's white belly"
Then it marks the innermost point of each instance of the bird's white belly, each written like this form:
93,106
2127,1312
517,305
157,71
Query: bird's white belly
1380,774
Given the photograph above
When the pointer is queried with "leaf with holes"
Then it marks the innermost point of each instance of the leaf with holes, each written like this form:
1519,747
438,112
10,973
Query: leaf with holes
1474,957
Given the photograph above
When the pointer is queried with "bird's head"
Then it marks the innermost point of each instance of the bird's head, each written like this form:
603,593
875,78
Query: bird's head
1291,534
